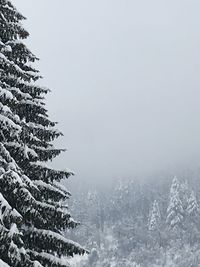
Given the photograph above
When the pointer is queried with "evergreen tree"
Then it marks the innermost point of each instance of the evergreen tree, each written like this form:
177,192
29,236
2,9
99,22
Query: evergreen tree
154,217
192,220
175,210
193,207
184,193
15,198
32,213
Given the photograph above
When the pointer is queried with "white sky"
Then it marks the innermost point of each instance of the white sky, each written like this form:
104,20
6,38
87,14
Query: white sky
125,80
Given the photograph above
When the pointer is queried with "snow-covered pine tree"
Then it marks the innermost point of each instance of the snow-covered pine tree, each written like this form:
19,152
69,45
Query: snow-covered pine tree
184,193
192,207
192,219
175,209
31,209
154,217
15,196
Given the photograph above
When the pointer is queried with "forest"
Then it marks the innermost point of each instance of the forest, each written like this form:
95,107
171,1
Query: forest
134,223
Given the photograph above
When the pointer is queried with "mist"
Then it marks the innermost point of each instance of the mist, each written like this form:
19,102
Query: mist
125,83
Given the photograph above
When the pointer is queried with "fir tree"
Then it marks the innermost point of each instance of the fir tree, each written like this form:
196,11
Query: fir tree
154,217
15,198
175,209
32,213
184,193
192,207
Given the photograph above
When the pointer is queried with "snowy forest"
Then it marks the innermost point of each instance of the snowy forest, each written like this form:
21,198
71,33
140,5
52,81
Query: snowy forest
154,223
48,218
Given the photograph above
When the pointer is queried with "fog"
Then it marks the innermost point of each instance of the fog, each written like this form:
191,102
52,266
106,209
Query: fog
125,83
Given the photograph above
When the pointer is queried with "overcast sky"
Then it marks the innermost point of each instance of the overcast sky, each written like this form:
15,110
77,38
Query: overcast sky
125,81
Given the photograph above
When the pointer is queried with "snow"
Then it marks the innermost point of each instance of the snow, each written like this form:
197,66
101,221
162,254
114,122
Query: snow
56,236
37,264
5,109
8,210
3,264
20,144
78,261
175,209
51,258
193,206
154,217
6,94
20,93
13,231
30,151
49,187
6,121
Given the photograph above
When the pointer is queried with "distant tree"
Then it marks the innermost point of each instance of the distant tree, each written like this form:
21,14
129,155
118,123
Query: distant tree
192,220
127,239
97,216
175,211
154,217
184,192
192,205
